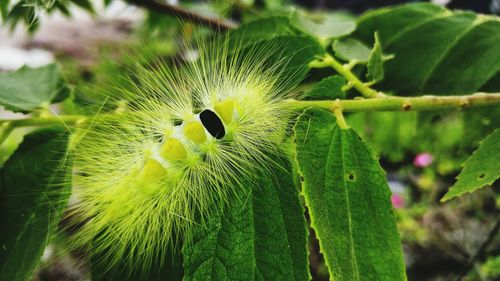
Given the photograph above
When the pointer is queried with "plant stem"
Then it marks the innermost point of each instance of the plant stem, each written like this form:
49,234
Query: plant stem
345,71
339,116
389,103
45,120
7,129
186,15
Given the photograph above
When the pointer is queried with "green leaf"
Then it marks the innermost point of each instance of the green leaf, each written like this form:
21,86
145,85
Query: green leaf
481,169
30,88
350,49
247,3
29,11
22,12
4,6
276,38
436,51
329,88
259,236
84,4
168,268
493,85
478,124
291,53
61,7
475,49
280,226
274,4
348,200
325,26
392,21
35,188
491,267
261,29
376,62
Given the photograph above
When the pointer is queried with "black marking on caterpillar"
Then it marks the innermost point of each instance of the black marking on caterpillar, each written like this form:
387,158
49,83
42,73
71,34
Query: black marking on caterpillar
212,123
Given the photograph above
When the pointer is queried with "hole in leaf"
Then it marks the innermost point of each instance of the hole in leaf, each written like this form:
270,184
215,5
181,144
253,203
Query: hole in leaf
351,177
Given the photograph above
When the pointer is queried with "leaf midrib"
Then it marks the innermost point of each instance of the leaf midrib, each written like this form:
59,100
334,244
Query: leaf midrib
327,166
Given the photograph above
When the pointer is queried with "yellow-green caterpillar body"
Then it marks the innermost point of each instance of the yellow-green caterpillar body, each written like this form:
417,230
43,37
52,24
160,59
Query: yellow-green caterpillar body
191,134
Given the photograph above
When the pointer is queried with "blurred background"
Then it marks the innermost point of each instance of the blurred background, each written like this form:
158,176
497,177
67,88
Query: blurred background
92,40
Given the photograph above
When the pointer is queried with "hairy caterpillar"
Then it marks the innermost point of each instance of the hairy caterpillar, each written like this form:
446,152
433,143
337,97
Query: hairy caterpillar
191,135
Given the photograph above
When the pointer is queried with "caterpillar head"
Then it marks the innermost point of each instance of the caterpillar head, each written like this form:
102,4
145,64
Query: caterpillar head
189,138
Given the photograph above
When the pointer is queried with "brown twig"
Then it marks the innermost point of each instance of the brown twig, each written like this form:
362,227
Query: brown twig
183,14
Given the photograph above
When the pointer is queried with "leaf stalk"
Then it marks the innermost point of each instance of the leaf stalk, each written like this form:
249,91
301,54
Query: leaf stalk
345,71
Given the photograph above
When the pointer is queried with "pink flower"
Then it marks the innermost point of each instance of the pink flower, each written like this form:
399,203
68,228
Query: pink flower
423,160
398,201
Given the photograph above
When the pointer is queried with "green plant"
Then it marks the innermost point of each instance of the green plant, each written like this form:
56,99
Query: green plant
248,222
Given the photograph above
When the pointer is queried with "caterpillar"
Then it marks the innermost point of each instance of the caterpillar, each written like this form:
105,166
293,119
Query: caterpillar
191,136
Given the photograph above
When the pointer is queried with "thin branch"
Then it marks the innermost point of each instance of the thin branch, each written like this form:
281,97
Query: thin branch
62,120
387,103
337,110
186,15
7,130
345,71
390,103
